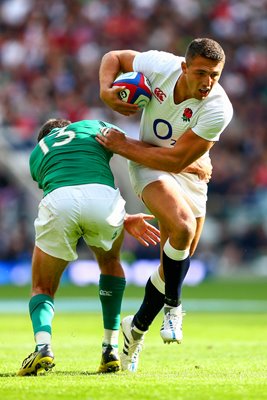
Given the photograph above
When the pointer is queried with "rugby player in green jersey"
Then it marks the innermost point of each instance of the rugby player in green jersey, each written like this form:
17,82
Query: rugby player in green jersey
80,201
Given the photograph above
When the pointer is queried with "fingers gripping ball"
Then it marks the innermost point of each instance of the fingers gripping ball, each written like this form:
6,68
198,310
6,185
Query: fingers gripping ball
137,88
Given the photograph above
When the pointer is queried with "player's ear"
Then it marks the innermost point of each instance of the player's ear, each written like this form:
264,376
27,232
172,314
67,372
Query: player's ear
184,67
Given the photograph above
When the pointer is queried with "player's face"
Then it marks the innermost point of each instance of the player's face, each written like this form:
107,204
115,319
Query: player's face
201,75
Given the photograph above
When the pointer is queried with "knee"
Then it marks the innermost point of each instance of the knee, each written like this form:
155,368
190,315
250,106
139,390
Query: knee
183,232
189,227
110,266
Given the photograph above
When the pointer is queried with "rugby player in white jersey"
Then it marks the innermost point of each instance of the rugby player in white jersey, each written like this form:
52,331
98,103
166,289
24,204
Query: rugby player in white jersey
187,114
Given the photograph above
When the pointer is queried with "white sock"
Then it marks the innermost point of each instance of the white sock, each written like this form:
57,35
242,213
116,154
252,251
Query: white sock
157,281
42,338
111,337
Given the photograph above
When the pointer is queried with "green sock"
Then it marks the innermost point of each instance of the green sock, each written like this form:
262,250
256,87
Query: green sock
111,289
41,308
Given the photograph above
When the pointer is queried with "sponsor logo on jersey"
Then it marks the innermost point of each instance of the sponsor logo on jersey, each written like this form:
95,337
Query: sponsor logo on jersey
187,114
114,235
159,94
105,292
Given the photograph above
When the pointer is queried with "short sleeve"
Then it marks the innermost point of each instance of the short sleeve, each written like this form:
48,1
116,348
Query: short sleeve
213,119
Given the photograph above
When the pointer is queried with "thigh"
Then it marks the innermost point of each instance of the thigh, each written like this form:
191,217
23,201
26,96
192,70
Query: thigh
165,200
103,218
57,225
46,272
189,186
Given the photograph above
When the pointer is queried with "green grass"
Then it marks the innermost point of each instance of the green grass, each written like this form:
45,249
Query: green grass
252,288
223,357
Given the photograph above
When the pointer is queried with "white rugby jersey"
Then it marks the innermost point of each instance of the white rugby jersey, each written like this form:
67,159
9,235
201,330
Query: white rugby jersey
163,121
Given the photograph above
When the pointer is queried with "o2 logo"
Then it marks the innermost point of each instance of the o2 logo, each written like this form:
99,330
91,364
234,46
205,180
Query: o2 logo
168,129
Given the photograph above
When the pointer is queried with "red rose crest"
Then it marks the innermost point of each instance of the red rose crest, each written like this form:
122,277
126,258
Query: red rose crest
187,114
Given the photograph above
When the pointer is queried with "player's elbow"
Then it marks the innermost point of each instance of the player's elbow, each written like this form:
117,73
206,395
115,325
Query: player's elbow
110,58
176,170
174,166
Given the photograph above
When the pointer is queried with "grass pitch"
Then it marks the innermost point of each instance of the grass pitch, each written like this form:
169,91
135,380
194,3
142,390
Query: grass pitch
223,357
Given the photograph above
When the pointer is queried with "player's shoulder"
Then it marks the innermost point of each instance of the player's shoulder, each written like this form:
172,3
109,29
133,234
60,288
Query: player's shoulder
91,125
161,60
217,106
77,124
219,97
84,125
161,56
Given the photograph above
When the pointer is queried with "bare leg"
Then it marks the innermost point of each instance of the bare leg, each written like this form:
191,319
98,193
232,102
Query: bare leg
46,272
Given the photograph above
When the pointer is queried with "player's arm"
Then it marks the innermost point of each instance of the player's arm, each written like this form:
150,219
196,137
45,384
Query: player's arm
188,148
111,65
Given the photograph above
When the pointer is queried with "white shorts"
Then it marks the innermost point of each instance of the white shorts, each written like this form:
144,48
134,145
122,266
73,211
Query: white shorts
95,212
193,190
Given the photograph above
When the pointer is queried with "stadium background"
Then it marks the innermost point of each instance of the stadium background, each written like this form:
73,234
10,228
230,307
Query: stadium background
50,52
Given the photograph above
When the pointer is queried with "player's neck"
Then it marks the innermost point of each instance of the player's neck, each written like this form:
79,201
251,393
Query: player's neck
180,90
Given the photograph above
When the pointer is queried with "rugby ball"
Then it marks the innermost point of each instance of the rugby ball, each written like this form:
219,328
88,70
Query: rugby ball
137,88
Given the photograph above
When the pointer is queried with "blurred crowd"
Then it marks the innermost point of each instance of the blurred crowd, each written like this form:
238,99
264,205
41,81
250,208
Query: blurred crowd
50,52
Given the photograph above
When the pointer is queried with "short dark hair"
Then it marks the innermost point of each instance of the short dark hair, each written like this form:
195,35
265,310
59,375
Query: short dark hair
51,124
204,47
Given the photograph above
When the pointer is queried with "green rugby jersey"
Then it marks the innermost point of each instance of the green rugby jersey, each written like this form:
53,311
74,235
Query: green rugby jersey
71,156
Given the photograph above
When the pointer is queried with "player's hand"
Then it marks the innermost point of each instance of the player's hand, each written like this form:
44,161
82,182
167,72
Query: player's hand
111,97
137,226
205,169
111,139
202,168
